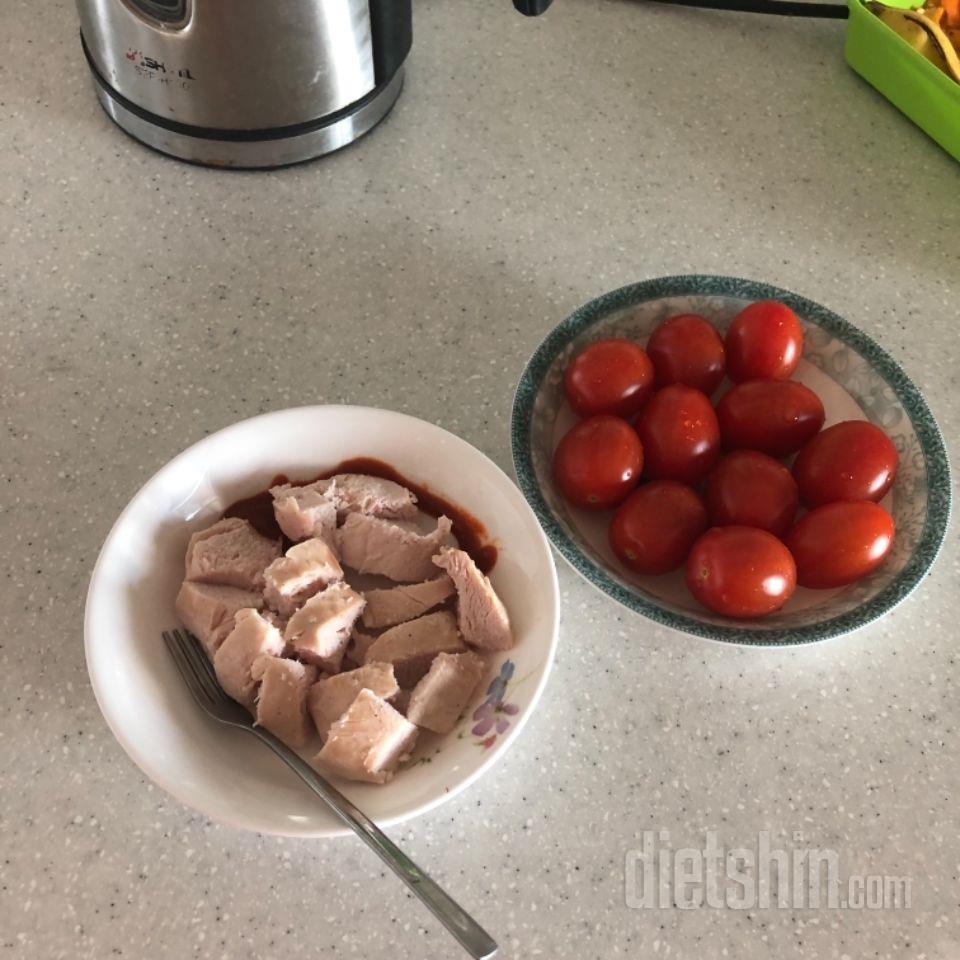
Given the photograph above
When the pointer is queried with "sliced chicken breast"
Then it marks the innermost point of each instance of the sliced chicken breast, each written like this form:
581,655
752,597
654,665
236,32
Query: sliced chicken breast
371,545
330,698
282,698
387,608
439,699
401,701
481,615
207,610
304,512
410,647
319,631
292,579
360,493
358,646
368,742
251,637
230,552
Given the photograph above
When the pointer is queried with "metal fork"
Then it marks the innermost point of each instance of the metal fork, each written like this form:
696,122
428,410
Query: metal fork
202,683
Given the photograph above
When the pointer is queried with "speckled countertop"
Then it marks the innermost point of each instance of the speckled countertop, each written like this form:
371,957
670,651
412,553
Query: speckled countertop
528,166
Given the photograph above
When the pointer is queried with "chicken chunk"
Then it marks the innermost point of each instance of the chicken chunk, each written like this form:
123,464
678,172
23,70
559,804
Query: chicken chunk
320,630
401,701
358,646
251,637
387,608
481,615
282,700
374,496
303,512
372,545
230,552
439,699
273,617
207,610
329,699
291,580
411,646
368,742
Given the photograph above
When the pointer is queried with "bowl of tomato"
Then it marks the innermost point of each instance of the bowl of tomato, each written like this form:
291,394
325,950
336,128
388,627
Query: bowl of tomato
732,460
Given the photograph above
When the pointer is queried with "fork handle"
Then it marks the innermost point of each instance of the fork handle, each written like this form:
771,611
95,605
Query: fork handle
471,936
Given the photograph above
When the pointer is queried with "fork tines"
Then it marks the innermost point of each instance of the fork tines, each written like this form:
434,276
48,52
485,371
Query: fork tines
194,667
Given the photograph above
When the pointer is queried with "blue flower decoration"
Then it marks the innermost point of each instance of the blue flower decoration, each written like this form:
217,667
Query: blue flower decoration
492,717
498,685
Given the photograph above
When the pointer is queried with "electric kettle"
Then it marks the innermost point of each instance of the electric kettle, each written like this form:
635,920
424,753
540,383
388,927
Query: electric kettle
249,83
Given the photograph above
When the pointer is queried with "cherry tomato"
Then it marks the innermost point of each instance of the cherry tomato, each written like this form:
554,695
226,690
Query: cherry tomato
840,542
773,416
681,439
764,342
654,528
598,462
686,349
609,376
853,460
740,572
750,489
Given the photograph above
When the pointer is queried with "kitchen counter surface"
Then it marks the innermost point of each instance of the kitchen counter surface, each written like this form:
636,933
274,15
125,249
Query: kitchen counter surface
528,166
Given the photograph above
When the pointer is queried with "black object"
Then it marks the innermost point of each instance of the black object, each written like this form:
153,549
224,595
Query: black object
391,26
781,8
532,8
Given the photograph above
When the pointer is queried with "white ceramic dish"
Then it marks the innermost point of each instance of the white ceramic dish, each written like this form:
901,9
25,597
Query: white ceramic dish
226,774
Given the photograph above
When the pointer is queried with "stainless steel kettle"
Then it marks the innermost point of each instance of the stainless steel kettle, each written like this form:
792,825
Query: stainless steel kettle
249,83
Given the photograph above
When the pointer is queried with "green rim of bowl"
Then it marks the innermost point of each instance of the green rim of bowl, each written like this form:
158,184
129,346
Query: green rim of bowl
924,424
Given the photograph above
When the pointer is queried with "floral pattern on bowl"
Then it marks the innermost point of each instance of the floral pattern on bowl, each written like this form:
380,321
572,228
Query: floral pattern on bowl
855,377
492,717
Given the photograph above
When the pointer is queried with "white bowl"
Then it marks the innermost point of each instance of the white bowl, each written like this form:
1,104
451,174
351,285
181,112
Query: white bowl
224,773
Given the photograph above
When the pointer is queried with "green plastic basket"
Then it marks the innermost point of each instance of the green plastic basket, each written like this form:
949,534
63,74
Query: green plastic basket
904,76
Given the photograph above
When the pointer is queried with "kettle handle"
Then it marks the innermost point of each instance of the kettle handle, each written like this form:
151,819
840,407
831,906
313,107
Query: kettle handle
532,8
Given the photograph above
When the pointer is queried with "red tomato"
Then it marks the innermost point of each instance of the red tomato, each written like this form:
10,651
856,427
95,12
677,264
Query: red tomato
686,349
764,342
654,528
609,376
681,439
853,460
840,542
598,462
773,416
740,572
750,489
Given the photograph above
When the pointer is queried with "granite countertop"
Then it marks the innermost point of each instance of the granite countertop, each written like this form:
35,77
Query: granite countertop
528,166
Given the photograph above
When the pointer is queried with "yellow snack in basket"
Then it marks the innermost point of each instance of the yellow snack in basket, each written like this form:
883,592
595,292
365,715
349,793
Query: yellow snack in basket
921,28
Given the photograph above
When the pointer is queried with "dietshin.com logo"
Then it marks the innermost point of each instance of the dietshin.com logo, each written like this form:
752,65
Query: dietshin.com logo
789,876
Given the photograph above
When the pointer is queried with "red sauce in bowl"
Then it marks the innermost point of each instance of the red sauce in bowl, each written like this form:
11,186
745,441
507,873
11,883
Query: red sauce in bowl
471,534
